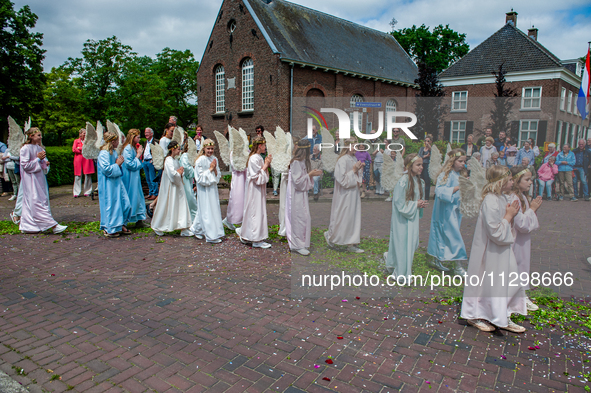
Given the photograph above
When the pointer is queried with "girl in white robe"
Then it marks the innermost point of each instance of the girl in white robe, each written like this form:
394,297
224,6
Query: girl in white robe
254,221
345,212
298,223
188,176
407,208
208,219
172,211
491,302
526,221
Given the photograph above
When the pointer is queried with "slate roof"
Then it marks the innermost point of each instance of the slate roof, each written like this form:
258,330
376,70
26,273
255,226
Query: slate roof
509,46
305,35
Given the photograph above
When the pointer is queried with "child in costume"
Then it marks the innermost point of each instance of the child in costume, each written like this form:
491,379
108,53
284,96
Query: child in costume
172,210
345,229
208,219
132,182
298,222
445,238
114,202
188,176
254,222
491,302
526,221
407,207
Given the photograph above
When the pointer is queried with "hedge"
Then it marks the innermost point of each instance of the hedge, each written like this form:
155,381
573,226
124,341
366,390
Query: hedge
61,160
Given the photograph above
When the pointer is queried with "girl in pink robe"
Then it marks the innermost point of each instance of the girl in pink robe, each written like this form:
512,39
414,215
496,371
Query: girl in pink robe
236,198
82,166
36,216
298,223
254,221
526,221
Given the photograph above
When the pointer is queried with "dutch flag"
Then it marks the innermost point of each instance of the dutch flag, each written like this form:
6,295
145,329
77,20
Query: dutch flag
583,98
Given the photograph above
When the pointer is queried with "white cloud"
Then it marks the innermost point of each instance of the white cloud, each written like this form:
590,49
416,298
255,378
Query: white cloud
148,26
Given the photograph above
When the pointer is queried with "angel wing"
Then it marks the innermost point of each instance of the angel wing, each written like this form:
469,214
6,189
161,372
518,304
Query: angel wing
471,189
392,171
100,130
446,152
244,137
121,139
329,157
192,151
178,135
282,155
240,150
28,124
16,137
435,163
157,156
224,145
271,143
89,149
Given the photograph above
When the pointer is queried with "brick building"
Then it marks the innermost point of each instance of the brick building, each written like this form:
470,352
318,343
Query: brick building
546,87
262,55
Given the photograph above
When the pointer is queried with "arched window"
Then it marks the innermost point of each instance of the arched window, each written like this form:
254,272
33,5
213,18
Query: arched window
220,89
356,98
391,106
247,85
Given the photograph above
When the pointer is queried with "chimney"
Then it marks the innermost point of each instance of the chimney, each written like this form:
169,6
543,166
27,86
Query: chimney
533,33
511,18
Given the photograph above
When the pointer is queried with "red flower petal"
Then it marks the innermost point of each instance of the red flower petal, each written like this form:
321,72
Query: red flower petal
531,348
329,361
326,379
339,337
439,322
357,297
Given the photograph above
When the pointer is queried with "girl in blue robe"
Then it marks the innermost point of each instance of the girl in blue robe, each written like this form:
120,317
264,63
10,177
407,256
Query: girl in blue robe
407,208
114,203
131,177
445,239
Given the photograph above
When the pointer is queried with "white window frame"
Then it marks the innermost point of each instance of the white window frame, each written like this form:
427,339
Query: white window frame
562,98
459,134
528,130
528,101
390,106
569,102
220,89
356,98
248,85
558,134
456,98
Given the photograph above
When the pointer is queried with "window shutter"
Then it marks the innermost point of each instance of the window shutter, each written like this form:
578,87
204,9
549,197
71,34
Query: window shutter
469,130
446,131
542,127
515,131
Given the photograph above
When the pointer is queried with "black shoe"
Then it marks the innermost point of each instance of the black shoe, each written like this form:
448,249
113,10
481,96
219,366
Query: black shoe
150,212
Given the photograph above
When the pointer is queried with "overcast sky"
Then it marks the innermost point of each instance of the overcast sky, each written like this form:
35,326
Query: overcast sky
148,26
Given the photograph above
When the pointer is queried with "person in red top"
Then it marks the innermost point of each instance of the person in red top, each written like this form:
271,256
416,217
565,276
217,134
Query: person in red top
82,166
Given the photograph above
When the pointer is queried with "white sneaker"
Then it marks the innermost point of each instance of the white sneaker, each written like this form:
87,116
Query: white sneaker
389,199
228,225
352,248
238,231
12,198
531,306
159,233
215,241
331,245
59,228
200,237
302,251
186,233
481,324
261,244
513,327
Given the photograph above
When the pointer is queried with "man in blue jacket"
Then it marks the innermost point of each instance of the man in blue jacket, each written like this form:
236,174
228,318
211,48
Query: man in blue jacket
582,161
565,161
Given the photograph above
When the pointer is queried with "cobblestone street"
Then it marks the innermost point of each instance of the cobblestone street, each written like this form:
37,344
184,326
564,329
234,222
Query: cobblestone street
142,313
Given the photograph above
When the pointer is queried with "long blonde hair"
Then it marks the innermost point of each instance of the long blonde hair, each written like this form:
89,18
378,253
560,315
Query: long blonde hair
498,176
515,189
206,143
410,190
302,153
449,164
256,141
347,143
129,139
108,138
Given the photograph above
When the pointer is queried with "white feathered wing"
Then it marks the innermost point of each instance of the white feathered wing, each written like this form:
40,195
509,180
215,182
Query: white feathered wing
240,150
157,156
471,189
28,124
16,137
224,145
392,171
329,157
192,151
100,130
435,164
178,135
89,149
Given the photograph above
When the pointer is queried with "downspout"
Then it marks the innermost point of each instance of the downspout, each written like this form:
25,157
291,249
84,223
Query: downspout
291,101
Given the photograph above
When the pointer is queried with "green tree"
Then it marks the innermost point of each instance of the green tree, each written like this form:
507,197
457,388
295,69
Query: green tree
502,105
438,49
429,107
21,71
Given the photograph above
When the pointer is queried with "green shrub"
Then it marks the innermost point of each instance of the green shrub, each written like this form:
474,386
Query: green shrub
61,160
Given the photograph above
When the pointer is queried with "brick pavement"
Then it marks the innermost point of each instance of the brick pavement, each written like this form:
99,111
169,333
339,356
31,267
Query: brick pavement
177,315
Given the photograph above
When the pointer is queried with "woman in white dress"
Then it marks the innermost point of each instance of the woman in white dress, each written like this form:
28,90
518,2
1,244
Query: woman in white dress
254,222
208,219
491,302
345,213
298,223
172,211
